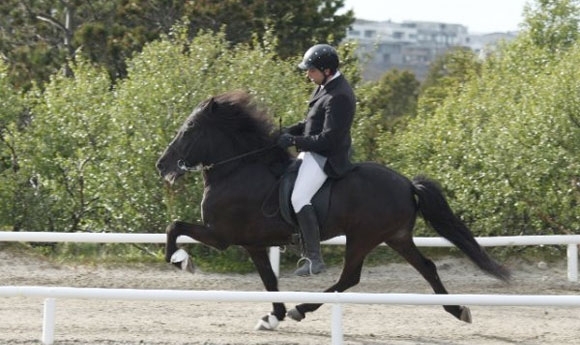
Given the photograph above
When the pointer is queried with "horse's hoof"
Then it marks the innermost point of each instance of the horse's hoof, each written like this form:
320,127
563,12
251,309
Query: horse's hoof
294,314
267,323
465,314
181,259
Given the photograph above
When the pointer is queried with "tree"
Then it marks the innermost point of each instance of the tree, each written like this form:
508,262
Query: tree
13,119
296,24
38,37
394,95
446,76
32,48
552,24
383,107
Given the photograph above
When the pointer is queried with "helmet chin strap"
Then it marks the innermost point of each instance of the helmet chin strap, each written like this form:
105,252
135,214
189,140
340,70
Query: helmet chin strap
325,78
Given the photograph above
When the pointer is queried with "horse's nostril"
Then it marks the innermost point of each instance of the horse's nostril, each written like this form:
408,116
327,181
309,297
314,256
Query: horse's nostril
160,166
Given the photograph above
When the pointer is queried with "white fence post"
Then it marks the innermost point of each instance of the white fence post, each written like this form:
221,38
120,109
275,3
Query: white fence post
572,254
275,260
48,322
336,327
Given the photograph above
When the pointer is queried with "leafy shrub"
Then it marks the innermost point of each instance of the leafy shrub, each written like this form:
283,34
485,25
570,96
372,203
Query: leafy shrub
506,147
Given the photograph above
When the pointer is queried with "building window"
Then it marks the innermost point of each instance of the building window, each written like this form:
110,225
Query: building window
370,33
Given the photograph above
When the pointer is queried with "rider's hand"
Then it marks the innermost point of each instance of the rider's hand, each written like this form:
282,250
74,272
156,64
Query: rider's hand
285,140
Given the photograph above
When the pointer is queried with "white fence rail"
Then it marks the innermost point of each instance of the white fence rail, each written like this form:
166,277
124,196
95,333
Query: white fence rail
571,241
50,293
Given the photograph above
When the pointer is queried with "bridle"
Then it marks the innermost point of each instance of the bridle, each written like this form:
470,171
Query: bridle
182,164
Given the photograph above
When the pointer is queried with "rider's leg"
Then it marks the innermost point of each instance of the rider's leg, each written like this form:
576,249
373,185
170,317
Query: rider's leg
310,178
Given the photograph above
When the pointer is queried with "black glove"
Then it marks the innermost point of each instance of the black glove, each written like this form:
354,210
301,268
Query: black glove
285,140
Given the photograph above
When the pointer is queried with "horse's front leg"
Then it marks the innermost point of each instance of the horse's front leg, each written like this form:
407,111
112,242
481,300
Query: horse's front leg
198,232
262,262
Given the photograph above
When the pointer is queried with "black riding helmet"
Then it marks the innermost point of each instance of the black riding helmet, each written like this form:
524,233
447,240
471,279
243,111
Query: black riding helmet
320,56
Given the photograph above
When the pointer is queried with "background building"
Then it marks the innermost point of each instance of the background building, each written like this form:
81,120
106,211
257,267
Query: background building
411,45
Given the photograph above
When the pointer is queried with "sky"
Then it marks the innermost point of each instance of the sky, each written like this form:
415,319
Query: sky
480,16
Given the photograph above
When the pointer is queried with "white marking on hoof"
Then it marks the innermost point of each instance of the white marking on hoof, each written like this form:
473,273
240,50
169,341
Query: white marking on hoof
294,314
181,256
267,323
465,315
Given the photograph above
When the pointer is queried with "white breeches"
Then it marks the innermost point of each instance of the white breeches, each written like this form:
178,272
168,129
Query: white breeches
311,177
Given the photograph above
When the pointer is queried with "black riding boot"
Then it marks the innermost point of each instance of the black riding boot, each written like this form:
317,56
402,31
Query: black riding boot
311,242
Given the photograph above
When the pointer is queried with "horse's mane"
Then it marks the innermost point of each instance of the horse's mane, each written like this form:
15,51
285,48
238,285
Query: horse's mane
238,115
245,122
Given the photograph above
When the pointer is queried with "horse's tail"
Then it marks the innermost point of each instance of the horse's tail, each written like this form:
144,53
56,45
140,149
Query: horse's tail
436,212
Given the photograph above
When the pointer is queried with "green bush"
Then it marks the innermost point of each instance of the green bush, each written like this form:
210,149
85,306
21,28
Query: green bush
506,147
13,117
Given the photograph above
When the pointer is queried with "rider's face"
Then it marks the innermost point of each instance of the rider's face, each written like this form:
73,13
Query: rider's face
315,75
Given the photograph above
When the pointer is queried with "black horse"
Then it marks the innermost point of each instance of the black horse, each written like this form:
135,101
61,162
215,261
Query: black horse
232,142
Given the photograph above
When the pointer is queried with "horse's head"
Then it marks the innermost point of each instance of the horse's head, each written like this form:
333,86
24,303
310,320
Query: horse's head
218,128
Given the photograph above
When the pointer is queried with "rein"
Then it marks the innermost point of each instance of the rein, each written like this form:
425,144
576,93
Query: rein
181,164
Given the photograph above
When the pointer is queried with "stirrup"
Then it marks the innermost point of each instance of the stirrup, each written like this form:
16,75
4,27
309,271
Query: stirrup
311,268
304,258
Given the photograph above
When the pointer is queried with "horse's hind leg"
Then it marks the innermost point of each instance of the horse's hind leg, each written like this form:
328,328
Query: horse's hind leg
350,276
407,249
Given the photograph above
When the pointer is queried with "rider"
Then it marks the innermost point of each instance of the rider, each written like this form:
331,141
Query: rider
323,139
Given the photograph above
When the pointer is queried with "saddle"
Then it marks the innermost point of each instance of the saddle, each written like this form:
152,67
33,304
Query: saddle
320,201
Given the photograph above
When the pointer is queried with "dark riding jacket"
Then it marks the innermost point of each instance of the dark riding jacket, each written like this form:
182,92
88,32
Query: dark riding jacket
326,128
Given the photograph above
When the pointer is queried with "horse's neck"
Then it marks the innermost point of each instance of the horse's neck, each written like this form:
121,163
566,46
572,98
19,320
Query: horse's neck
238,174
269,161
